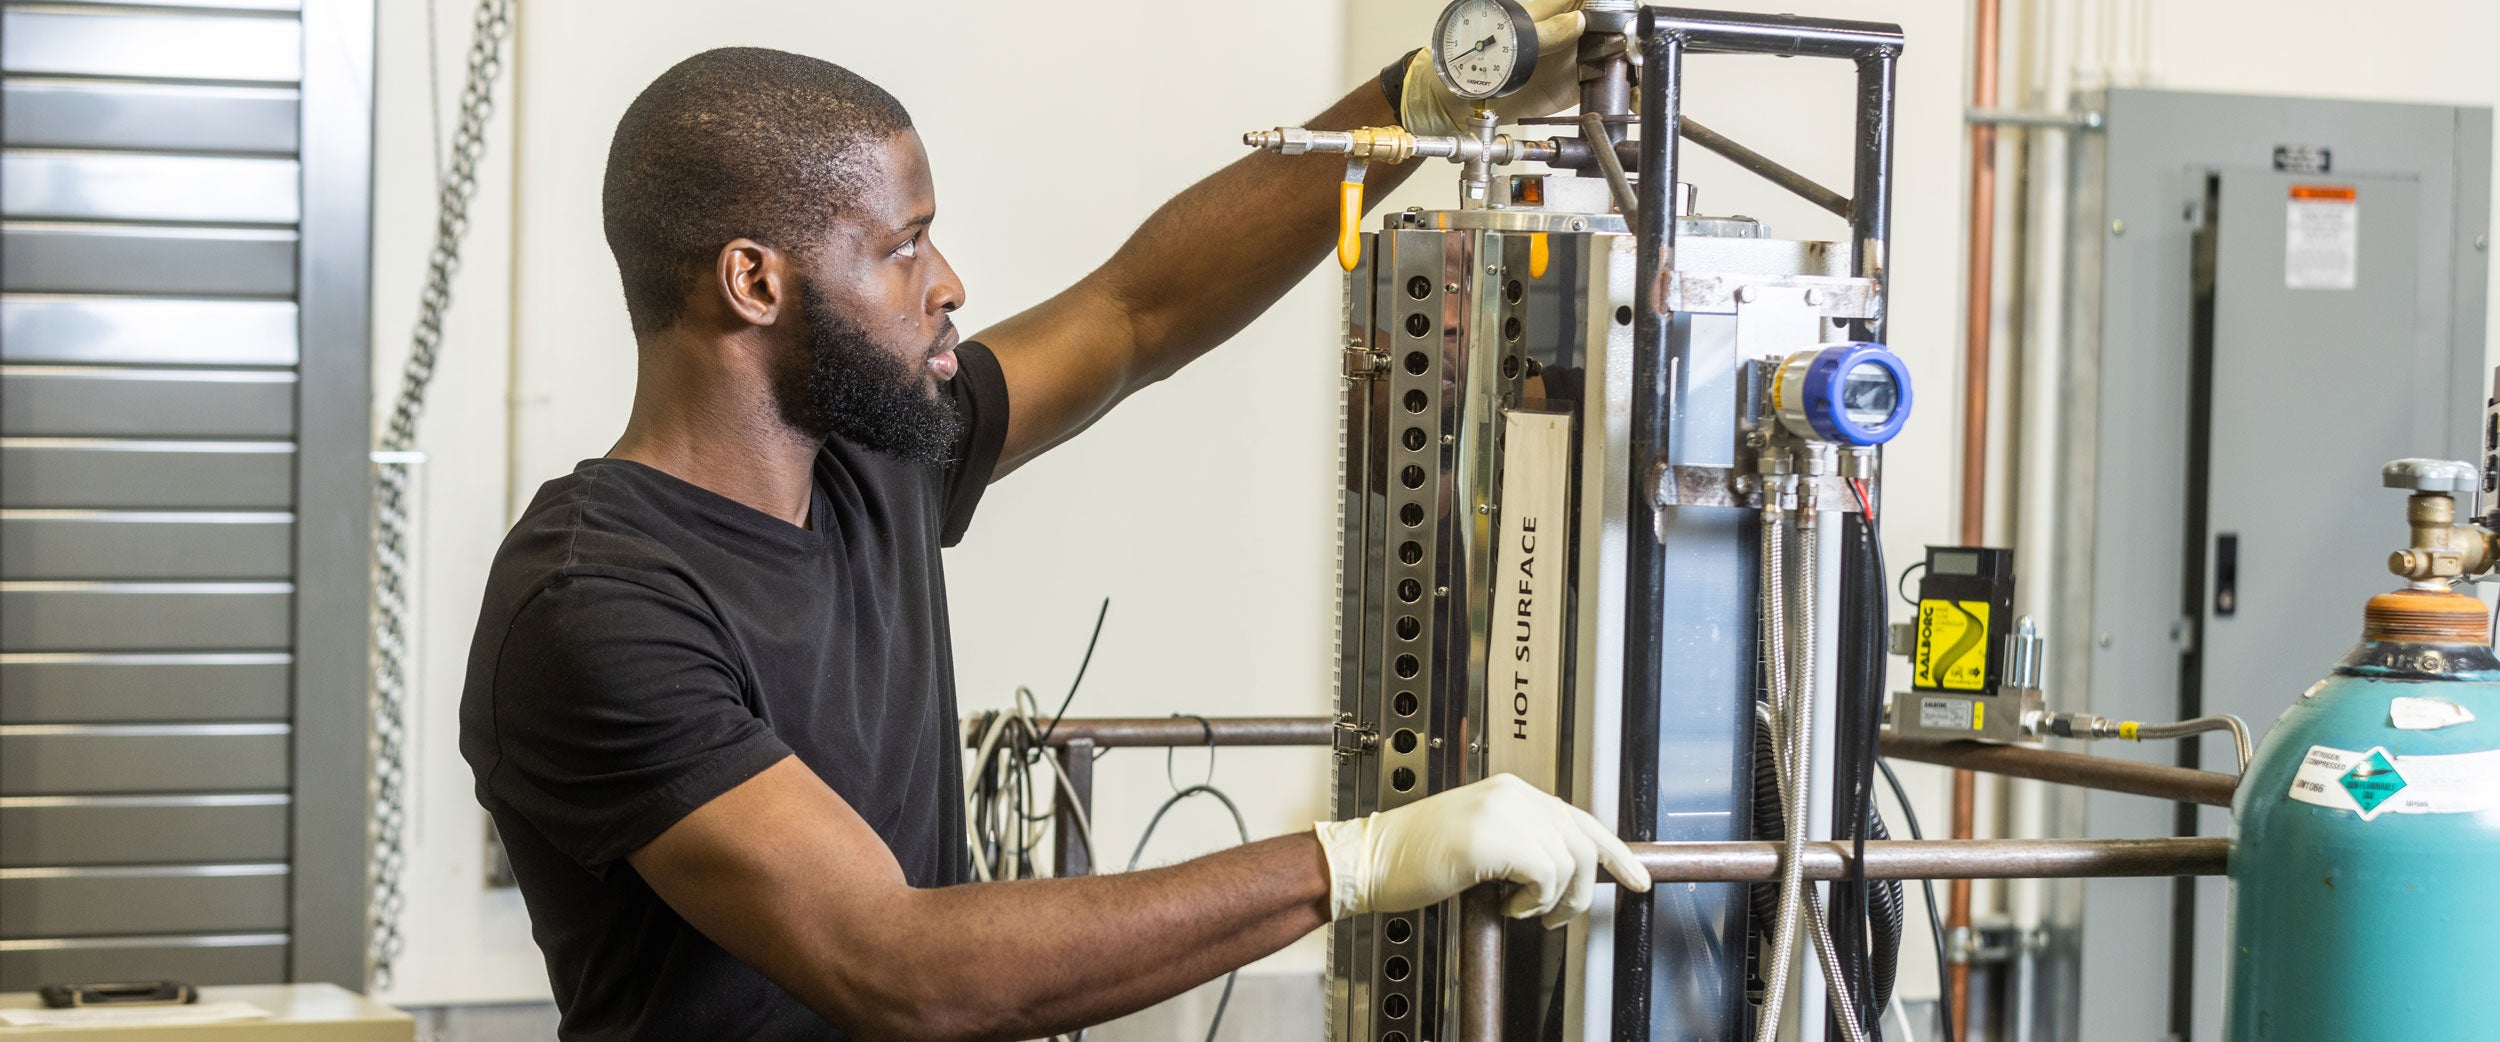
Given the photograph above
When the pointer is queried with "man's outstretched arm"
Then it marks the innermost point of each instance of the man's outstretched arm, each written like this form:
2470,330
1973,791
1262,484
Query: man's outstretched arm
1206,264
783,874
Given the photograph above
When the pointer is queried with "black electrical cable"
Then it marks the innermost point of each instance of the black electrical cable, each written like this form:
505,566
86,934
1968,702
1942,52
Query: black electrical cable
1857,909
1859,598
1935,922
1240,827
1081,665
1906,573
1883,904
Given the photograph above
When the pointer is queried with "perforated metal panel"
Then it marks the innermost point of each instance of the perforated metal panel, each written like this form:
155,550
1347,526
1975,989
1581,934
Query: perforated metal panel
183,208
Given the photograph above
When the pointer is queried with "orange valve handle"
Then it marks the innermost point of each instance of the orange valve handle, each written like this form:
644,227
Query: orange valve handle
1350,215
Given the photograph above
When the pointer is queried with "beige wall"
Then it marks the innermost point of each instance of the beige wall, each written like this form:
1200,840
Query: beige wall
1202,507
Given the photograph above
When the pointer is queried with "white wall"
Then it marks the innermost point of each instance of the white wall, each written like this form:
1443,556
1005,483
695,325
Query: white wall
1202,507
464,943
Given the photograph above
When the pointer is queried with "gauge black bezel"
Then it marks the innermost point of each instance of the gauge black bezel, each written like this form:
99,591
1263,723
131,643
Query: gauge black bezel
1523,28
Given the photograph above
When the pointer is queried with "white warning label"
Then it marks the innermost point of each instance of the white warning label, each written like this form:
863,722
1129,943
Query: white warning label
2373,782
1949,714
2426,714
2322,237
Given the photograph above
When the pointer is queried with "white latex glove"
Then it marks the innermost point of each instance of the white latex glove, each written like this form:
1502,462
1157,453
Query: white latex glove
1428,107
1501,828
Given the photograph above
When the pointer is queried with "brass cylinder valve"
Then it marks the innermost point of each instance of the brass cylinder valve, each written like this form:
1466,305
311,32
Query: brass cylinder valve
2441,549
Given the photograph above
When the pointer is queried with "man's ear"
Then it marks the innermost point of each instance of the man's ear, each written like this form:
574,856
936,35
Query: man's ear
754,281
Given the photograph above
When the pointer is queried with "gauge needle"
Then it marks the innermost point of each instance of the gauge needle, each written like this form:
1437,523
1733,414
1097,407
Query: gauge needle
1480,45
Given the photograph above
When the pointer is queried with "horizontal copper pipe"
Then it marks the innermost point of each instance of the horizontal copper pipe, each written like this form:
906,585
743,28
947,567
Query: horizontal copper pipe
2110,774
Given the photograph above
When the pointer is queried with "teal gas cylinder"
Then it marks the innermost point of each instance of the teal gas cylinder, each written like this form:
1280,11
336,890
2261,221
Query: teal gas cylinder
2365,842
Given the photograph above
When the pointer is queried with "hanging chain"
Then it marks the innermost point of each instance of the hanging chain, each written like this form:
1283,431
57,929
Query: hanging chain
391,580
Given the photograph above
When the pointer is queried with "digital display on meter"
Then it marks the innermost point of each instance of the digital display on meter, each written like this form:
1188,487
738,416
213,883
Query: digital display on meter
1848,394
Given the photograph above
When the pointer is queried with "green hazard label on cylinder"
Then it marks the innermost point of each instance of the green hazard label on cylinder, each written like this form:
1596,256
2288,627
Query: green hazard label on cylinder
2373,782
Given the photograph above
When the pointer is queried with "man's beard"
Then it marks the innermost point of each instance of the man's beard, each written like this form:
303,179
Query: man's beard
848,386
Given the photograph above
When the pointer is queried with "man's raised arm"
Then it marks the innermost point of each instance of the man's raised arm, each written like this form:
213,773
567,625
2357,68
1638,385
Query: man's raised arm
1219,253
1205,264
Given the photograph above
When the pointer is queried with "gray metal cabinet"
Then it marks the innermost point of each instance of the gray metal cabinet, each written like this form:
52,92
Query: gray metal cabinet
184,200
2273,297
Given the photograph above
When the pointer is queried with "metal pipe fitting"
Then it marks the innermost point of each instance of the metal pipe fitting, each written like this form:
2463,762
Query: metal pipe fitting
1476,184
1397,145
1185,731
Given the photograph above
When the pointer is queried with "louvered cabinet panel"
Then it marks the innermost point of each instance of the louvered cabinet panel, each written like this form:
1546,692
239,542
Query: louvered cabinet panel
184,419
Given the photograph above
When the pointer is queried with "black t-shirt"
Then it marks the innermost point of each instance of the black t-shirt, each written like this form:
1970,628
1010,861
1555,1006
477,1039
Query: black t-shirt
647,645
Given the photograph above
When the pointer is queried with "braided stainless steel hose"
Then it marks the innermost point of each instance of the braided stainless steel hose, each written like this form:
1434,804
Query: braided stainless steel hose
1778,644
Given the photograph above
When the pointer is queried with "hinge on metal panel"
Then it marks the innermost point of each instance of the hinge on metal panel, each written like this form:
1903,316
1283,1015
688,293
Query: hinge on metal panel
1362,362
2183,634
1350,739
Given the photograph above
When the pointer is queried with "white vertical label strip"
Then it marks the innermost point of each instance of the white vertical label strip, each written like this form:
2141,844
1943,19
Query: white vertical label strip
1523,680
2322,237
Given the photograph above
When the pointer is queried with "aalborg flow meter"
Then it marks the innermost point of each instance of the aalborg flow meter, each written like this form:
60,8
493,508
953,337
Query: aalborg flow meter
1610,473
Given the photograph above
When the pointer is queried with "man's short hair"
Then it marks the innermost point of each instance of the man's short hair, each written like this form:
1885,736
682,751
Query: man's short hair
739,142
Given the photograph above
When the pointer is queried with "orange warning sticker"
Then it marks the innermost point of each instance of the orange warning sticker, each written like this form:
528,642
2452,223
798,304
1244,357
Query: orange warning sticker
2322,238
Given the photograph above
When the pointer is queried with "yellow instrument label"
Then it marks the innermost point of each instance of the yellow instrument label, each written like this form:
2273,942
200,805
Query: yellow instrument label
1952,645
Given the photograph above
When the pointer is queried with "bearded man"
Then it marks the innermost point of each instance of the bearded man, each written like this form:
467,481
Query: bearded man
710,703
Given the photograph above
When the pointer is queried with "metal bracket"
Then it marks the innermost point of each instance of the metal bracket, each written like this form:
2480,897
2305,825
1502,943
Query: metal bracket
1716,293
1349,739
1704,486
1363,362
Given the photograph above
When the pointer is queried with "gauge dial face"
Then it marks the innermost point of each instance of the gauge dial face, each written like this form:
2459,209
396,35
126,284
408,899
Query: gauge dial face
1484,48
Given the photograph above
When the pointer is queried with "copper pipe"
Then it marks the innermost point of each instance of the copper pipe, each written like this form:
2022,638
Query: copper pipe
2106,773
1480,965
1979,300
1980,291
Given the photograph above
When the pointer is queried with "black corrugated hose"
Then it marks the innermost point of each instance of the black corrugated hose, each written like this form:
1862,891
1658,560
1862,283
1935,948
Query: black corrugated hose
1870,917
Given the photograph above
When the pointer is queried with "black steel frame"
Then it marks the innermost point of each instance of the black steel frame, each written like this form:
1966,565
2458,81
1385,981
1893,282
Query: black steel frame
1666,35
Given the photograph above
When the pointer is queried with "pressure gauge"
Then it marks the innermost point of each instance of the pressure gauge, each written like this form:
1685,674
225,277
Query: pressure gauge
1484,48
1852,394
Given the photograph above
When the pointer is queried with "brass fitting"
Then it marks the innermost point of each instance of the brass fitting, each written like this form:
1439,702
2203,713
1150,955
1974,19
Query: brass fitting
2441,549
1383,144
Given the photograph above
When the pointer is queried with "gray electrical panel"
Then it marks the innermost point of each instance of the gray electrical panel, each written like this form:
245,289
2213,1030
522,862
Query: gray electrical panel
2271,297
183,490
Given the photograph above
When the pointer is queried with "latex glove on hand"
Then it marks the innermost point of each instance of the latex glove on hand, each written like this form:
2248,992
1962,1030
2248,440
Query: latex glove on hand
1428,107
1500,828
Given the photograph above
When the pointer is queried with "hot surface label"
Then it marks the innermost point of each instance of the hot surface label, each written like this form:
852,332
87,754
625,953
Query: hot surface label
1523,679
